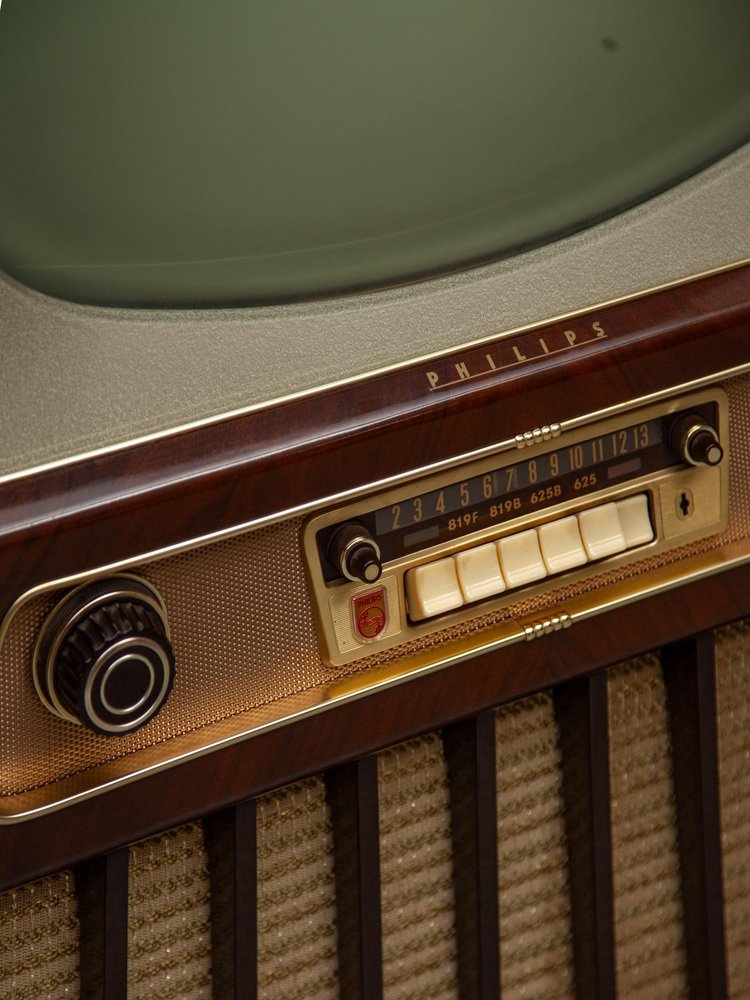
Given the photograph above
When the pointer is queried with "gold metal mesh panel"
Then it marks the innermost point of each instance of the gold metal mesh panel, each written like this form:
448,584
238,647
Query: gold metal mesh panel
296,895
416,872
536,948
244,636
649,941
169,930
39,940
733,709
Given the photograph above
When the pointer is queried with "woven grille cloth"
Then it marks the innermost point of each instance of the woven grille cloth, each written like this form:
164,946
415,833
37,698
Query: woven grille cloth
416,871
169,923
39,940
536,951
650,949
733,697
296,897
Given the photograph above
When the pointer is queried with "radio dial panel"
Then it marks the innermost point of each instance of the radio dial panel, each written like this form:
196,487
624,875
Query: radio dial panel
488,533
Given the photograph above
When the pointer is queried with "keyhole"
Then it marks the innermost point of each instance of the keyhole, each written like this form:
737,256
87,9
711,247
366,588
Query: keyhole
684,504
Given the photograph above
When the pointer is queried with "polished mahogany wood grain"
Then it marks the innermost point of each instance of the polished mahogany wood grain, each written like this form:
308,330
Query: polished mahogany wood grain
582,713
470,755
689,673
102,890
153,495
310,746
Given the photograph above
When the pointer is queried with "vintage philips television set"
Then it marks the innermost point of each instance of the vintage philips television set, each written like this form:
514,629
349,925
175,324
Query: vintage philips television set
374,532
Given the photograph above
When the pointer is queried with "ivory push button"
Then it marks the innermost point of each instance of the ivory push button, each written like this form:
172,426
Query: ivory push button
433,589
635,521
520,558
479,572
561,545
601,531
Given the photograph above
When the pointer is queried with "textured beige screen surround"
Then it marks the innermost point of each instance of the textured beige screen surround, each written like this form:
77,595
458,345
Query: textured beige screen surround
77,379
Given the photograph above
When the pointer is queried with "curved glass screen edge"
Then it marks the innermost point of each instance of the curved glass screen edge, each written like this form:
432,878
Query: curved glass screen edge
343,149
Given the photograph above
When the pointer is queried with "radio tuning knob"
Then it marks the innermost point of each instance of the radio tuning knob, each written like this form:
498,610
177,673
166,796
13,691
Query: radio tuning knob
695,441
355,553
103,658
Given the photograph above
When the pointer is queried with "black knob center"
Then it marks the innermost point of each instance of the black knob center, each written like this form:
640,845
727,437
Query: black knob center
695,441
127,683
355,553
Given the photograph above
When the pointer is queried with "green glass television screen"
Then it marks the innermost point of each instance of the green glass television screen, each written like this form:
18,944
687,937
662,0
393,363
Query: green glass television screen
187,153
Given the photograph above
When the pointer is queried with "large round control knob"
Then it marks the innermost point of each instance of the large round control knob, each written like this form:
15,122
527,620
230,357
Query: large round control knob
695,441
103,658
355,553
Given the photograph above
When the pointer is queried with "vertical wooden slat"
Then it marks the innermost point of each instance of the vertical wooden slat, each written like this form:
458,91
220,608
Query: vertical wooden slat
102,890
352,792
231,846
581,709
470,756
689,674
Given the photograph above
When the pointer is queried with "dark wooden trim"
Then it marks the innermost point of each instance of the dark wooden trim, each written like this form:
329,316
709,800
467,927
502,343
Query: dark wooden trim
470,756
582,712
146,497
102,890
231,846
352,793
310,746
689,674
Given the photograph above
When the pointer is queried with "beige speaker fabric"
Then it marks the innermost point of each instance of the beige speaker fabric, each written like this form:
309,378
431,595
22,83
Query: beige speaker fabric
536,949
733,705
297,957
649,942
169,922
416,872
39,940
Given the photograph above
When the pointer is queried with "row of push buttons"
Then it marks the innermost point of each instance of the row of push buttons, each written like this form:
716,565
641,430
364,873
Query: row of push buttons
490,569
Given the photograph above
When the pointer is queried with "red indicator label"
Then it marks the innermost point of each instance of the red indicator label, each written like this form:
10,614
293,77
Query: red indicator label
370,614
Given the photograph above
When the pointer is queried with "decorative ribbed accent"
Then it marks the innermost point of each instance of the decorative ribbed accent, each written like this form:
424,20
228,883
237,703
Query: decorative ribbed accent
536,949
733,707
296,897
169,919
649,938
419,944
39,940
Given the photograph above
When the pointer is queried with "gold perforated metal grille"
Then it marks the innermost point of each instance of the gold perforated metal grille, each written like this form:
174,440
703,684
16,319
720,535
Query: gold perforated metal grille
296,895
733,703
419,942
536,950
649,941
39,940
169,929
244,636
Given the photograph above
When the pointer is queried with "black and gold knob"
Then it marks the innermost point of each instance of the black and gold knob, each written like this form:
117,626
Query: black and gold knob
695,441
355,553
103,658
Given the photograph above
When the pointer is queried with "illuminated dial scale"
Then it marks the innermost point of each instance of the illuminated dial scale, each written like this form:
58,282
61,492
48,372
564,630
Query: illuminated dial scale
615,490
